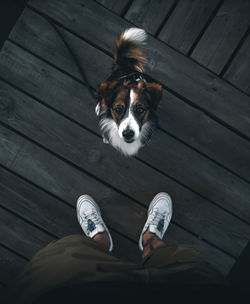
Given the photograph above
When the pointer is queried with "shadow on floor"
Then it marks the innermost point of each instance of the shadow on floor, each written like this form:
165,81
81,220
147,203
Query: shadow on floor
10,10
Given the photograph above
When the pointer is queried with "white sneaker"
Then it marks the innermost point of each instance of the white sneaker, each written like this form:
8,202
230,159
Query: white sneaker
159,216
90,219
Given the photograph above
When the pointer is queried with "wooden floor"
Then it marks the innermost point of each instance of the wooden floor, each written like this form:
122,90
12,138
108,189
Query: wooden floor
51,149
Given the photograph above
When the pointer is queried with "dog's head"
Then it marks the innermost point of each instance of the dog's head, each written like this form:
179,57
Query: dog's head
127,113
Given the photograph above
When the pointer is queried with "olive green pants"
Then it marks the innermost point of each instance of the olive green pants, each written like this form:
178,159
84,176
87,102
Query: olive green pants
79,261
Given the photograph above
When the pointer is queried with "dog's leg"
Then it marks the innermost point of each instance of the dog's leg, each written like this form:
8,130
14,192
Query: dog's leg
98,109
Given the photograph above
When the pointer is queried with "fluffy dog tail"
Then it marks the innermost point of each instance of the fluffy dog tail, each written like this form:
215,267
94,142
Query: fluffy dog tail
128,51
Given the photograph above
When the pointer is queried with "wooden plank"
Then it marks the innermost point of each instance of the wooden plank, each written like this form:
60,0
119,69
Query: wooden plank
187,166
10,264
176,117
49,213
72,143
37,206
199,86
20,236
223,35
186,22
62,180
149,14
116,6
238,71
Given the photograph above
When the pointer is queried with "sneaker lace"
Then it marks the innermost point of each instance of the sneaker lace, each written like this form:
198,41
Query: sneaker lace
93,217
155,217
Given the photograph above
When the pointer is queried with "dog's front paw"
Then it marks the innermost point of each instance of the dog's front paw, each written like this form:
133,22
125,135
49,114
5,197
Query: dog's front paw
98,109
105,140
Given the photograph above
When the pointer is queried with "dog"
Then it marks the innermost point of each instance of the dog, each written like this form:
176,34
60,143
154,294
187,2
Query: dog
128,99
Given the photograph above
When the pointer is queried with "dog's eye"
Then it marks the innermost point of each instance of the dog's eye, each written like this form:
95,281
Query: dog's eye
139,110
118,110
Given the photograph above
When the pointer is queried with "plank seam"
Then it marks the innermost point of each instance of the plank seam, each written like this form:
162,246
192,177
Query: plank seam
122,13
235,52
69,162
28,221
206,241
70,205
45,16
194,191
149,165
110,54
203,30
37,226
157,32
13,251
92,132
210,115
140,160
126,8
49,107
35,185
81,81
118,232
204,155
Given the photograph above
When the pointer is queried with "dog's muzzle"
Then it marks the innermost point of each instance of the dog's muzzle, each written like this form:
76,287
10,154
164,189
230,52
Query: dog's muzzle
128,135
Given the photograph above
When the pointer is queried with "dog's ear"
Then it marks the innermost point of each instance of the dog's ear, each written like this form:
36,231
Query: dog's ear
106,89
155,92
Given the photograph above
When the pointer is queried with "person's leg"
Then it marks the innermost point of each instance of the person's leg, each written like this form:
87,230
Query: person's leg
159,216
151,242
75,259
103,239
176,259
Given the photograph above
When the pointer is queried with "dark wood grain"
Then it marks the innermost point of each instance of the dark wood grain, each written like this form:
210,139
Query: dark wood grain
185,77
116,6
184,164
20,236
176,117
149,14
223,35
59,161
72,143
186,22
62,180
238,71
49,213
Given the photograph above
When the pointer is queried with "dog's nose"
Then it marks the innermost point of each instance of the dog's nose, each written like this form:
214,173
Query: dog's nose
128,134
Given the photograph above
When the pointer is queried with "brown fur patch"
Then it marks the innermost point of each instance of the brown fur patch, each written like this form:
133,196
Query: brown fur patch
104,105
122,95
140,85
155,91
133,51
106,88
